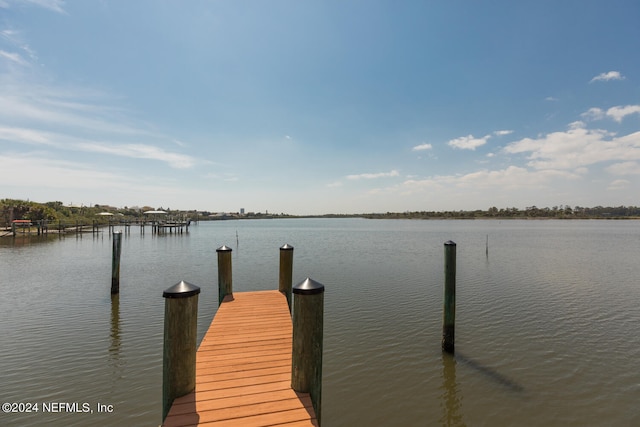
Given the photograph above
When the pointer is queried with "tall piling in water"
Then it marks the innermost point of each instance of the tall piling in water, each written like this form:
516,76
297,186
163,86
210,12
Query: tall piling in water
115,262
449,315
225,277
285,281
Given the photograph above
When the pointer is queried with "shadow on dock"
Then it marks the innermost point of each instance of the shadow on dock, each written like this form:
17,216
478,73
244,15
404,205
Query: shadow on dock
185,412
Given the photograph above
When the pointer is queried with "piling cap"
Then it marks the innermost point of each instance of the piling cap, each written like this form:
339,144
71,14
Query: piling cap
181,290
286,247
450,243
308,287
223,248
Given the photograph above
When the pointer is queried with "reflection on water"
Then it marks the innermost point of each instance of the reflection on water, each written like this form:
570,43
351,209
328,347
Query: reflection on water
114,348
451,401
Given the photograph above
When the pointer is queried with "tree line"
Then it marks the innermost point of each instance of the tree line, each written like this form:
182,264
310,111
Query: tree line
558,212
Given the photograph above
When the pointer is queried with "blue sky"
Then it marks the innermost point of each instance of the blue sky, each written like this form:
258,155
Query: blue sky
310,107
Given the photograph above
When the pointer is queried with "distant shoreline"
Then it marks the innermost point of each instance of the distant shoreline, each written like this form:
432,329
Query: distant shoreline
497,218
56,212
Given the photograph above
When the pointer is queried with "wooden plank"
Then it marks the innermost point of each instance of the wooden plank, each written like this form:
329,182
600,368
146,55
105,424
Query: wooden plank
243,369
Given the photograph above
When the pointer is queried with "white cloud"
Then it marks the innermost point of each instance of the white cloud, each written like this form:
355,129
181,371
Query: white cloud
605,77
374,175
593,114
576,147
335,184
550,98
624,168
468,142
619,113
616,113
502,132
421,147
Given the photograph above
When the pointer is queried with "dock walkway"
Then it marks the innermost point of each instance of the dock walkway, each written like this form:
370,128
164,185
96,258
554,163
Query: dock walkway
243,369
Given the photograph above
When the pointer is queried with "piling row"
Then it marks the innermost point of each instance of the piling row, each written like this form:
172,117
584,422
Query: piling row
306,310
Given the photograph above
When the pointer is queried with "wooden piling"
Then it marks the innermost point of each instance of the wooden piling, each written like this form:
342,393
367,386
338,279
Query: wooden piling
306,361
285,281
449,315
180,335
115,262
225,278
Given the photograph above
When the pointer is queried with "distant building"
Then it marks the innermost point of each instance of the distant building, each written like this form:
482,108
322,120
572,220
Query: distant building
241,211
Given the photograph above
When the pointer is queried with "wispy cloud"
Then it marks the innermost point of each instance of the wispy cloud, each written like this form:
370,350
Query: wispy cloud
54,5
618,184
39,176
502,132
422,147
36,170
374,175
14,42
468,142
511,178
65,142
605,77
80,119
25,136
140,151
13,57
551,98
73,108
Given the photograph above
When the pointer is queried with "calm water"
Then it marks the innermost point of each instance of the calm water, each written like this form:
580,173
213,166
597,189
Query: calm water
547,332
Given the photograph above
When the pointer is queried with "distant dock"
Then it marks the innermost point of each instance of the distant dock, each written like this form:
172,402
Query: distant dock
43,227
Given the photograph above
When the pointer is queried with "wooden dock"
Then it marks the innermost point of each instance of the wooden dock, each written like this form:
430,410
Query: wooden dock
243,369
